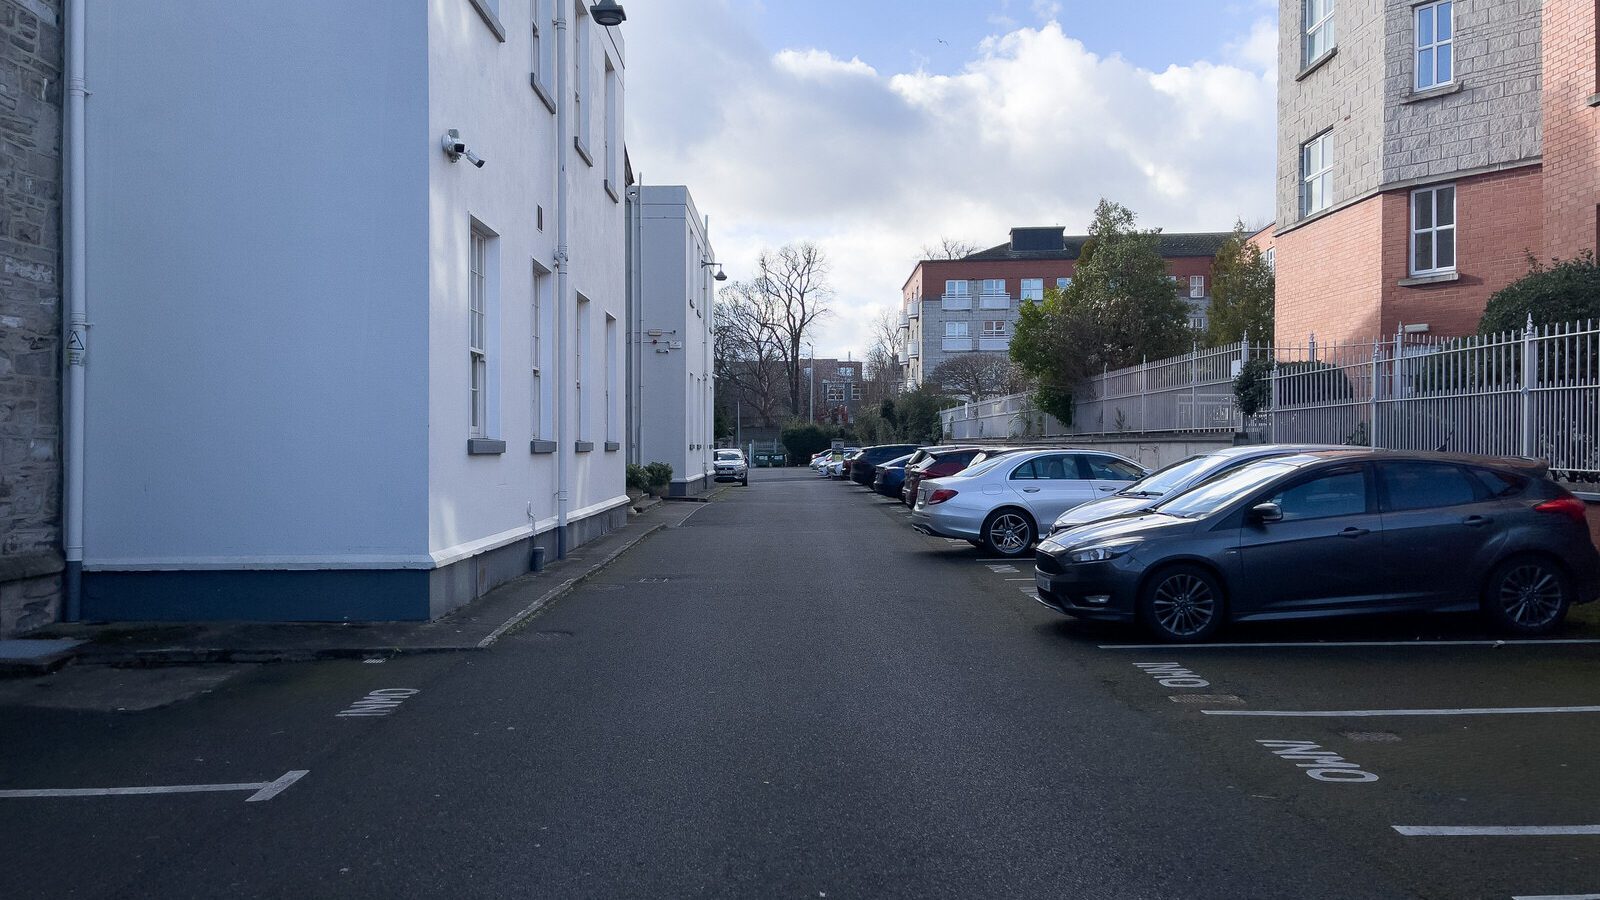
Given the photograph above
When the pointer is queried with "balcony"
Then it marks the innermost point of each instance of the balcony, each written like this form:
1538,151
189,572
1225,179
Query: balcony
994,301
956,345
955,301
914,351
994,343
914,309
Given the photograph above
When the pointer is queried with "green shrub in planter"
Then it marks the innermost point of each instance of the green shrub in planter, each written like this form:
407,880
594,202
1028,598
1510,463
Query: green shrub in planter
658,475
638,478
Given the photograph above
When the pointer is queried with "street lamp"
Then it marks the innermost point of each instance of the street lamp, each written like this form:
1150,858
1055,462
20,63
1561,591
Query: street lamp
721,275
608,13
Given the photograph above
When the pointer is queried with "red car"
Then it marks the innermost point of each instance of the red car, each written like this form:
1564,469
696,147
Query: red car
937,463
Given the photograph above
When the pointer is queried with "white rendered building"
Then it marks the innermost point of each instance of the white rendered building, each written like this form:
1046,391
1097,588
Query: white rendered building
337,371
673,294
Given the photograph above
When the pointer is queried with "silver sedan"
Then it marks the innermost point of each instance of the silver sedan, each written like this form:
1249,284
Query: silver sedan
999,504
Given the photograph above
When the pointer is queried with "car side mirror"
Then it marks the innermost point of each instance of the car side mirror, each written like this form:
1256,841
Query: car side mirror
1266,512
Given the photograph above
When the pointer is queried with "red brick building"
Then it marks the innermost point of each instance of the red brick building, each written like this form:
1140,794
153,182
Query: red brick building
1425,151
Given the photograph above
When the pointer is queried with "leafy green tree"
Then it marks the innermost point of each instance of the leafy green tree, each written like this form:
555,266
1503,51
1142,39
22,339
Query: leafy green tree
803,440
918,415
1567,291
1241,292
1120,308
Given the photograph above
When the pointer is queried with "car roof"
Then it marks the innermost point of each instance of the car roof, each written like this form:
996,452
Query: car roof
1311,457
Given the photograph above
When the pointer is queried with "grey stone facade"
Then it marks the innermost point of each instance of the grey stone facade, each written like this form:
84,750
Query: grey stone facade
31,92
1386,134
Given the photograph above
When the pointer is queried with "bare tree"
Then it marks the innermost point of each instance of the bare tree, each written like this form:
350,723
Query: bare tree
978,376
949,248
792,284
882,370
747,350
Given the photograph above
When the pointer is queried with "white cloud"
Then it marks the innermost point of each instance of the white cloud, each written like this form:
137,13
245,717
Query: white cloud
787,144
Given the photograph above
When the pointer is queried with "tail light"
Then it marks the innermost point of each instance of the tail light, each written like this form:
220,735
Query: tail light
1571,507
940,495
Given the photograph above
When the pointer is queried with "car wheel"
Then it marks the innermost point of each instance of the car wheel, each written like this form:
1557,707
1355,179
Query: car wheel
1182,604
1527,595
745,481
1008,532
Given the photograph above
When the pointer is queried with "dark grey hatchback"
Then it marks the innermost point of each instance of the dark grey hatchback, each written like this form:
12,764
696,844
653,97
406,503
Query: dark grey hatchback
1335,532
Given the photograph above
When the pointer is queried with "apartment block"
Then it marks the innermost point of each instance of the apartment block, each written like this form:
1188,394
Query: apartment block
1425,150
953,307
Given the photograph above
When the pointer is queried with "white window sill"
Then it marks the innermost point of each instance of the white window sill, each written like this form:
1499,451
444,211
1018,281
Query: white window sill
1430,278
1317,63
544,95
583,151
612,193
490,19
1433,93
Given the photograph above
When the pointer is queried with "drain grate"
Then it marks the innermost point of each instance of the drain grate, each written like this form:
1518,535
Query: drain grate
1208,699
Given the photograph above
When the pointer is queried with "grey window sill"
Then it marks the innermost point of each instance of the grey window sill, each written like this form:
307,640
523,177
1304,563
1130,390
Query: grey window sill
1594,100
544,95
583,151
485,447
1420,280
613,446
1433,93
1317,63
537,446
490,19
612,192
583,446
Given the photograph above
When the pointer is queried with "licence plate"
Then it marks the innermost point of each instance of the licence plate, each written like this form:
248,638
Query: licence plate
1041,582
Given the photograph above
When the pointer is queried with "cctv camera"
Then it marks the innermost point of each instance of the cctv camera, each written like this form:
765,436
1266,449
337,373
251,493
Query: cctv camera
472,157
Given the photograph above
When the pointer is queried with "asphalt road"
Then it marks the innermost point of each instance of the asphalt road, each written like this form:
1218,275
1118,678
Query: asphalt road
794,695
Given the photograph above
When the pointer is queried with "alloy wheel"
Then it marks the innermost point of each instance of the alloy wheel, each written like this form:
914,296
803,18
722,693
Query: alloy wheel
1531,595
1010,533
1184,605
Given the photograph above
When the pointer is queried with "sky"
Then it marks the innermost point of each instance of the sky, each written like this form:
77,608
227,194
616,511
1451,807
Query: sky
876,128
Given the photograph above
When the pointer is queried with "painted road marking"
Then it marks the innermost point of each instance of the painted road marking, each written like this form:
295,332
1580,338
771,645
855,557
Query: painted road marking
1003,559
1323,765
1497,830
1370,713
378,703
1020,579
1559,897
261,791
1002,569
1172,675
1330,644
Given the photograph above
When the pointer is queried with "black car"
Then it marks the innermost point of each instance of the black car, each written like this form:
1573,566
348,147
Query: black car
864,465
1334,533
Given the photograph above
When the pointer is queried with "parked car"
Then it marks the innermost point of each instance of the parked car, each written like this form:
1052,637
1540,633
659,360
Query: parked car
946,463
1173,480
1334,533
891,476
730,465
834,468
864,466
999,502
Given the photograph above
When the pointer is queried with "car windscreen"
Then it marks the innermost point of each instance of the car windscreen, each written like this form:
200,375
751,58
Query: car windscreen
1214,495
1176,476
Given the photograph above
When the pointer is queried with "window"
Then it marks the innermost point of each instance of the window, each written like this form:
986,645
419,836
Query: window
1045,468
1108,468
540,406
613,147
994,285
1433,230
847,372
855,390
1272,259
1197,287
477,353
994,328
1419,485
1435,45
542,53
1319,37
956,330
580,361
1197,323
956,288
1316,174
1341,493
611,379
1033,289
1063,283
834,391
580,81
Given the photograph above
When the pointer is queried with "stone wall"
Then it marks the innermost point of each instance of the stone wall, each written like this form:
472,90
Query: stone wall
31,92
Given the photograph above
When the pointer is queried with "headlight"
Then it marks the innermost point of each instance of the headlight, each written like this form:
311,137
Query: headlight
1102,552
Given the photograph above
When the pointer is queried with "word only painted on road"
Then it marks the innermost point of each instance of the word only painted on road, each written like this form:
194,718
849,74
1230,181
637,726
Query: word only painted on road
1172,675
1323,765
379,703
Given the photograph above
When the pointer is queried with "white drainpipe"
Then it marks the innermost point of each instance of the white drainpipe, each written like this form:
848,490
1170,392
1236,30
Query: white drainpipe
77,316
563,285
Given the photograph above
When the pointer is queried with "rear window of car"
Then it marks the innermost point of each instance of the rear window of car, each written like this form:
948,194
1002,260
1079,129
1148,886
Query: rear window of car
1424,485
1498,484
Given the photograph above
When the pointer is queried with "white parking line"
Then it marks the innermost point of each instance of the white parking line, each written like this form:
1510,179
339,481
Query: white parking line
1497,830
1268,644
1019,579
1558,897
1373,713
262,791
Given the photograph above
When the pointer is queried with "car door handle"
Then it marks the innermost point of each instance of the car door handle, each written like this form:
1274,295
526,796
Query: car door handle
1476,521
1030,490
1105,488
1354,532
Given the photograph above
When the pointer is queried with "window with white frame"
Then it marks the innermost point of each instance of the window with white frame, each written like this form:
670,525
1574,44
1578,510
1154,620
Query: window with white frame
1197,323
1316,174
580,81
855,390
612,377
956,330
955,288
478,340
994,328
1435,45
1063,283
580,368
539,405
613,147
1319,37
1197,287
833,391
1272,259
1033,289
1433,230
994,285
542,57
